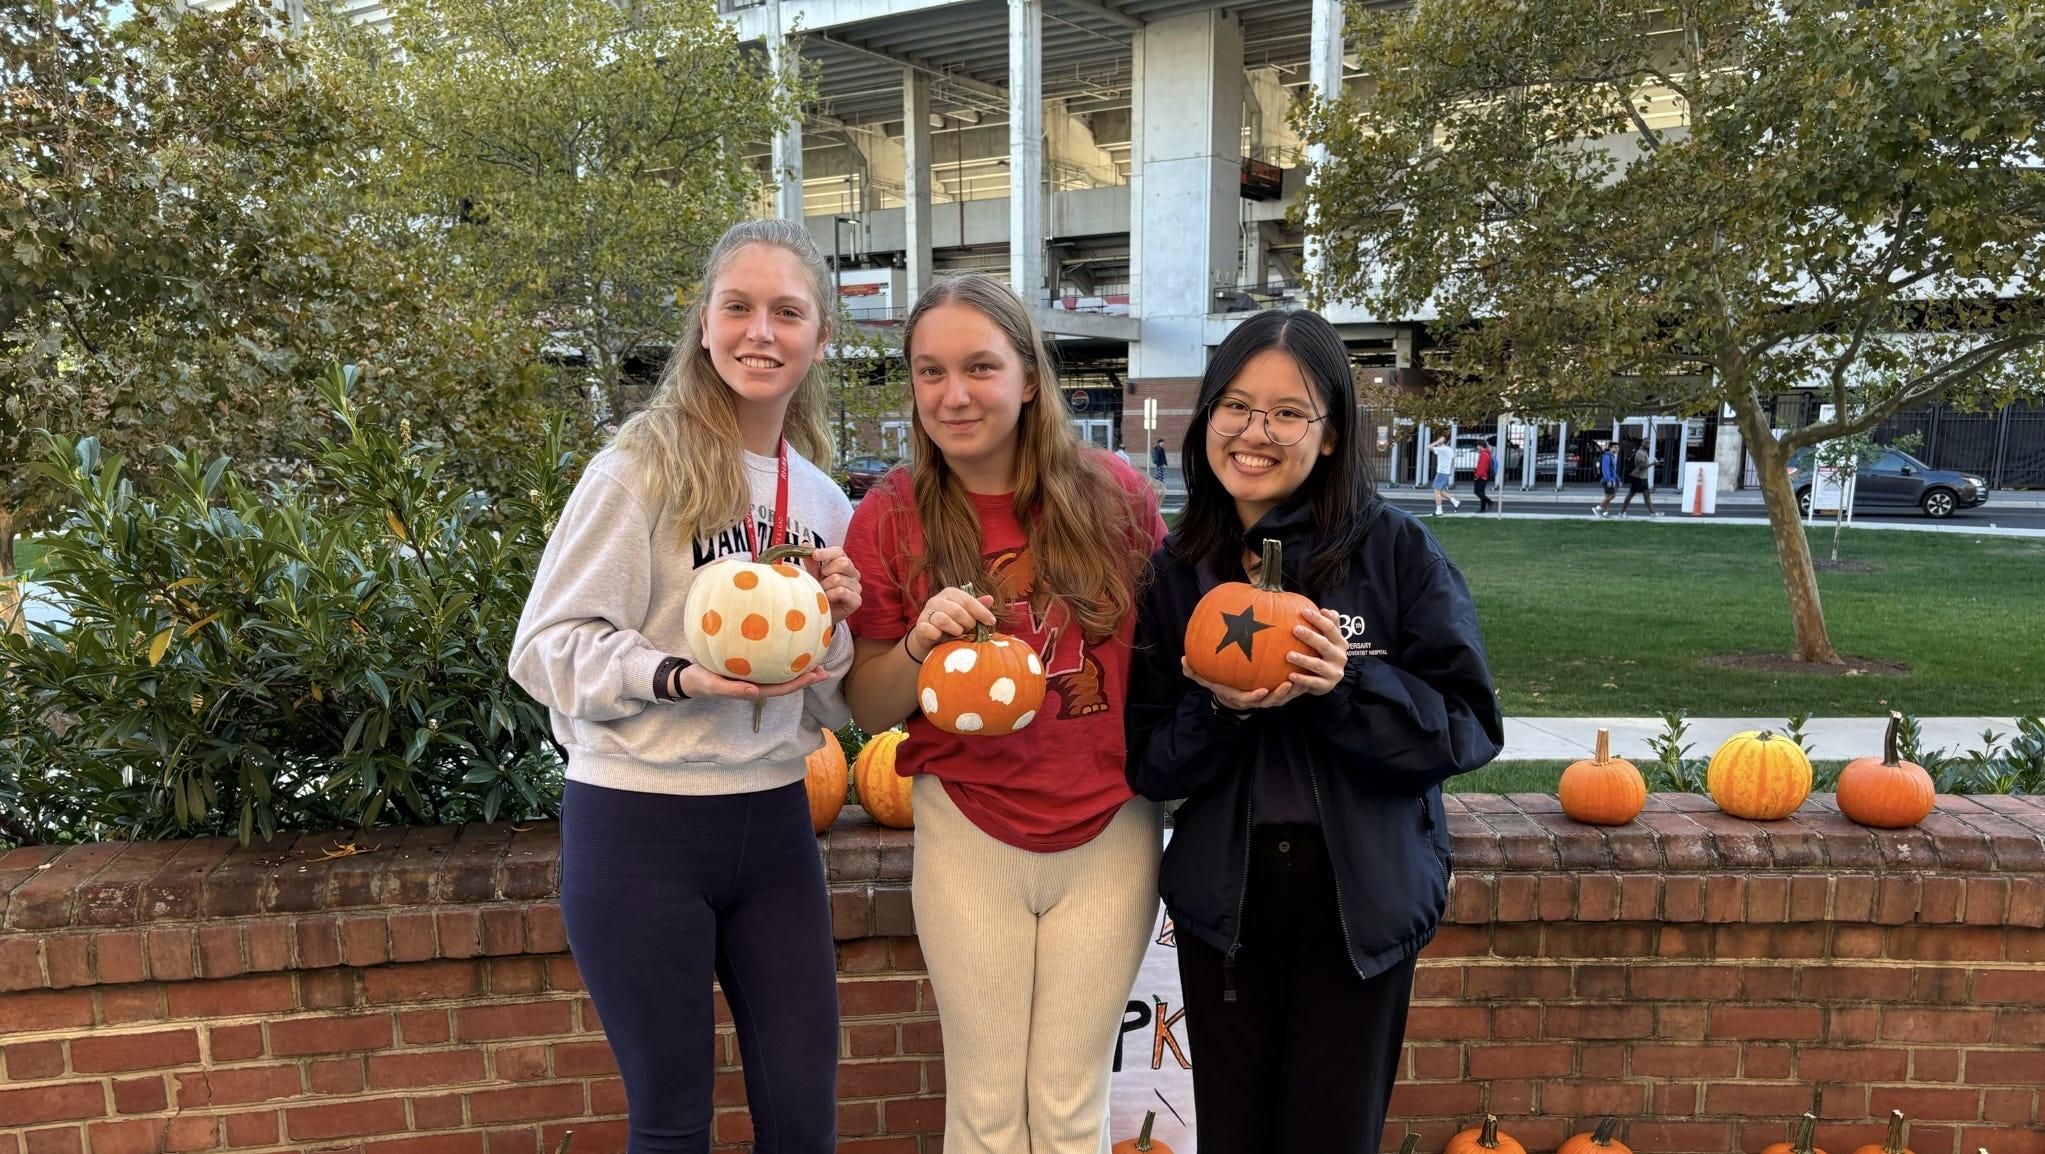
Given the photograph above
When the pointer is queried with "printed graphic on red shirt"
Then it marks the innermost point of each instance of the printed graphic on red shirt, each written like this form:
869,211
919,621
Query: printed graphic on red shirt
1069,663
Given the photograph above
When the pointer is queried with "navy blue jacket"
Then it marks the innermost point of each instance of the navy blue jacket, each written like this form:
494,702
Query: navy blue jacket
1415,706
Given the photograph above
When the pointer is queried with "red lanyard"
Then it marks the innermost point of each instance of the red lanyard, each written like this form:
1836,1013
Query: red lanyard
779,532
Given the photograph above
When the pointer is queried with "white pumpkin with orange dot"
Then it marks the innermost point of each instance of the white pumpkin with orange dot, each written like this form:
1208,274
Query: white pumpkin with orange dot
766,621
989,683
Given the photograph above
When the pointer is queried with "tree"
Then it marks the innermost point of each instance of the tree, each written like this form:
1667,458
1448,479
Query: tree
567,160
1650,207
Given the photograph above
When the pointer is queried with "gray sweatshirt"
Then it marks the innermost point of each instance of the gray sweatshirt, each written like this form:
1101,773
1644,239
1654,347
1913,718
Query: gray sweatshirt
606,608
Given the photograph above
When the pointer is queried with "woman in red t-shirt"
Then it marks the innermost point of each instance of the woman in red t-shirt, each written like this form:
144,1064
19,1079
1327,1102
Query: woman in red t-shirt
1036,868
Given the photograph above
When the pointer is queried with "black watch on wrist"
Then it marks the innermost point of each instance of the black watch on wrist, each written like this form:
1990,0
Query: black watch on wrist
667,682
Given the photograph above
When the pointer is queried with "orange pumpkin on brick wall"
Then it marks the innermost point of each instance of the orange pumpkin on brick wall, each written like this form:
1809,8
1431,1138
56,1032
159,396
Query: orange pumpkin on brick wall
1604,790
1143,1143
1484,1139
1240,633
826,781
883,793
1597,1142
1801,1133
1760,776
1886,792
1894,1144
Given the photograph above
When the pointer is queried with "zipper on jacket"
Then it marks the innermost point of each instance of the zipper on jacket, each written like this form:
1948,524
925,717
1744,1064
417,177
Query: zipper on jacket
1228,960
1341,916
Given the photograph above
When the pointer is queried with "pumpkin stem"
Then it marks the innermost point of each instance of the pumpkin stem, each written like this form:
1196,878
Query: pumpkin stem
1407,1146
1807,1131
1488,1138
981,634
1604,753
567,1139
784,553
1143,1135
1606,1129
1271,574
1895,1143
1889,738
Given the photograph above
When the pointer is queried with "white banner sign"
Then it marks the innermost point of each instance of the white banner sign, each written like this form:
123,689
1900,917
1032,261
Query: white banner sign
1154,1060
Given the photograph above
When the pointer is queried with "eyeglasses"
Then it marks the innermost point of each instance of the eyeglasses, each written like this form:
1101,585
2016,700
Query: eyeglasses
1283,425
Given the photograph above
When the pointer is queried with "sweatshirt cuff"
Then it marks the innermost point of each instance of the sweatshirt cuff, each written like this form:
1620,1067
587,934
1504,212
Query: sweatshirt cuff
638,668
838,655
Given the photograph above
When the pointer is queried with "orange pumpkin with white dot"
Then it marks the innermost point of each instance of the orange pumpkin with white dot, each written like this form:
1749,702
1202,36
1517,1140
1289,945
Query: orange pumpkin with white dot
764,621
989,683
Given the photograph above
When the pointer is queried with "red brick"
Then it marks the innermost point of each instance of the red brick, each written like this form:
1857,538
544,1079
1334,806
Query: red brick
151,1051
1685,983
403,1071
1685,1061
517,976
1656,1137
856,999
1946,943
1572,1022
519,1063
1544,1061
330,1036
1852,1064
424,1027
526,1103
1583,1098
2002,1140
256,1129
2016,1107
425,982
1854,983
30,1012
140,1095
872,1041
28,1061
2019,1027
1910,1024
582,1059
63,1103
1752,1022
1765,1062
233,997
524,1020
124,1005
470,1143
2006,1067
173,953
345,1119
57,1140
1925,1102
235,1043
237,1087
220,951
1437,1099
927,1037
2020,987
1436,1063
335,1076
1934,1065
1759,1101
331,989
436,1111
913,1116
879,1079
68,958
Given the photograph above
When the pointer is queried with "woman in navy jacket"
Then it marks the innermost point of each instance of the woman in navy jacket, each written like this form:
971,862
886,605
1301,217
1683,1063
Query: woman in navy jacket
1309,862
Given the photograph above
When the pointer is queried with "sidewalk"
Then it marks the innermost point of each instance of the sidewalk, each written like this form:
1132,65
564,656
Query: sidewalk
1830,738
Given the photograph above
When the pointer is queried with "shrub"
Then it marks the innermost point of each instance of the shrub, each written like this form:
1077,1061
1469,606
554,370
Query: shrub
325,650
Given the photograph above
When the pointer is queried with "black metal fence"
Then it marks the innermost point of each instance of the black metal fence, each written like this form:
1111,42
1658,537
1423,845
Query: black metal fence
2006,446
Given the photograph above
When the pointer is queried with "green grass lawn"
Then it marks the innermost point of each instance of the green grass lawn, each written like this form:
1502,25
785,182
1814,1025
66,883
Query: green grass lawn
1595,618
1544,776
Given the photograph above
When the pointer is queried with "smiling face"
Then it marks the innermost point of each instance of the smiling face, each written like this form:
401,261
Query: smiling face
1257,472
970,386
763,327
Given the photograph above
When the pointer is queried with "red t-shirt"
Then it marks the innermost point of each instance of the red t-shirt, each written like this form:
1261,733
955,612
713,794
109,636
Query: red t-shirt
1056,783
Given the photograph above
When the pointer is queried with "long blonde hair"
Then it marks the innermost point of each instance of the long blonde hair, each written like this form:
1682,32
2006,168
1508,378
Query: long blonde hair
686,440
1084,529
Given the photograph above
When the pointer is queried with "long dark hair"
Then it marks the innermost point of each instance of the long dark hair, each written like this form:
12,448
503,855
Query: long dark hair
1340,490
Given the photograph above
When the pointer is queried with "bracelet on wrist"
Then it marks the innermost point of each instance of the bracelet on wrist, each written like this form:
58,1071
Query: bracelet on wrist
913,659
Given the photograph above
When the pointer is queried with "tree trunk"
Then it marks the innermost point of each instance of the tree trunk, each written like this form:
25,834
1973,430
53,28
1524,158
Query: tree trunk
1792,547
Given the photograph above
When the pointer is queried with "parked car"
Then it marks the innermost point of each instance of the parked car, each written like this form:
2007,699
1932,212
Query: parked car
1897,480
862,473
1467,446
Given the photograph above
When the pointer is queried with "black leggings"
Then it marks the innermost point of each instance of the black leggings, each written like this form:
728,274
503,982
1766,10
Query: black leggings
659,892
1305,1057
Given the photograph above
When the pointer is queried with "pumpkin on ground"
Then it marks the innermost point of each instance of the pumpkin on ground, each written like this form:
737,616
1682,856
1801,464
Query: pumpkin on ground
883,793
826,782
1407,1146
987,683
1142,1143
764,621
1484,1139
1801,1133
1240,633
1759,776
1888,793
1605,790
1894,1145
1599,1142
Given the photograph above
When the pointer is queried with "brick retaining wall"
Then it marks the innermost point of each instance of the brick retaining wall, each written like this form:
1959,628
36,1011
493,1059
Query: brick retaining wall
1699,974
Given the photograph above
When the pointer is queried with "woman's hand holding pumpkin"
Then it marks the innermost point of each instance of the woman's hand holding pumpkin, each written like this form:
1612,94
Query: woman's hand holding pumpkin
950,612
697,681
840,579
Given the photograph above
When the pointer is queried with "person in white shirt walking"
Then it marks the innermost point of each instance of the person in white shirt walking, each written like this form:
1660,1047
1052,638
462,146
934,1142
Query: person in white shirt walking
1444,473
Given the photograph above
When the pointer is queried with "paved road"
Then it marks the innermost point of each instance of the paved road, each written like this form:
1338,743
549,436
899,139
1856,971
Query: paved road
2023,512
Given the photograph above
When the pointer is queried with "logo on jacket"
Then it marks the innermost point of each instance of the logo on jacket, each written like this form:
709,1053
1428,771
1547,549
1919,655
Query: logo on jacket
1352,632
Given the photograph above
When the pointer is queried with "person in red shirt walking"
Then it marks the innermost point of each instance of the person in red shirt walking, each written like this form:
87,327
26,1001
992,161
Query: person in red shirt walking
1485,475
1036,867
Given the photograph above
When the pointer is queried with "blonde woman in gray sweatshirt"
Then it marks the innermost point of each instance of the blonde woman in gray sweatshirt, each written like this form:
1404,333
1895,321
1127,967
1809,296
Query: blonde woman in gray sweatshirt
687,850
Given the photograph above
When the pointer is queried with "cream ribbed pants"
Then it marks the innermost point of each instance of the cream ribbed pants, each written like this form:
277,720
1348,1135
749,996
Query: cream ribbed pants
1032,956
